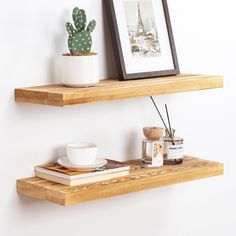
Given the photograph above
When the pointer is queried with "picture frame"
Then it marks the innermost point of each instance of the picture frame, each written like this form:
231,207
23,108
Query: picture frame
142,38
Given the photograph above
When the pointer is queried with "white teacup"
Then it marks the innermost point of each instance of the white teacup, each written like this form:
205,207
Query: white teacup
81,153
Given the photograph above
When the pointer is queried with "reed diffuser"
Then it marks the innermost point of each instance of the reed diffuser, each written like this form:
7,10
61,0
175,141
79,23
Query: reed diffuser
173,146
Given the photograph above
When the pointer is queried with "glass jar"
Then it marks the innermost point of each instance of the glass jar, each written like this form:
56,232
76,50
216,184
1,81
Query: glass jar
152,153
173,149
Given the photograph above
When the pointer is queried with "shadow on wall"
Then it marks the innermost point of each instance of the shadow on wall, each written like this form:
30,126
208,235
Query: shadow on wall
58,152
131,146
109,58
59,41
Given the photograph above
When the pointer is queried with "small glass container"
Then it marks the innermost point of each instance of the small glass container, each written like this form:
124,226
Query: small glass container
153,147
173,149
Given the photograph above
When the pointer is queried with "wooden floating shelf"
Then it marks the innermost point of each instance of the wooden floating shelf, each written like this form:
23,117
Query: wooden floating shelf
139,179
106,90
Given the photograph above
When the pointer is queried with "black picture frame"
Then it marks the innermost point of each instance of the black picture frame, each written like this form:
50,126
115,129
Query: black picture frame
123,75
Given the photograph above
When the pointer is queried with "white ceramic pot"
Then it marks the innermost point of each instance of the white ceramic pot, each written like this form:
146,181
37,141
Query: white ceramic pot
81,153
80,71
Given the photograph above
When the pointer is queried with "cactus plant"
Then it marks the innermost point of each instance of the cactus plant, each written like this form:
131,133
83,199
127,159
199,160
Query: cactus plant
80,40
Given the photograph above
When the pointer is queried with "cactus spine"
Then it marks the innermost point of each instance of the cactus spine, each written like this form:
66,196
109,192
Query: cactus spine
80,40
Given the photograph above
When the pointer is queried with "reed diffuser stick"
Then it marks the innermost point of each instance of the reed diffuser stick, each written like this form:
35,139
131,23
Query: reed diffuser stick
167,114
162,120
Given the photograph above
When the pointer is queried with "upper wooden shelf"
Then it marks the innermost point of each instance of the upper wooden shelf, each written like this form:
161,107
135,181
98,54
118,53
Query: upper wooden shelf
106,90
138,179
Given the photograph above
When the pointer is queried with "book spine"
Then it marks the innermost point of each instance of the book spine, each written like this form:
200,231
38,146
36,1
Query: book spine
81,176
50,172
82,181
53,178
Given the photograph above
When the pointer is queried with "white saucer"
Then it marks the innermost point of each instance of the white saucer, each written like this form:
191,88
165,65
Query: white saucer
63,161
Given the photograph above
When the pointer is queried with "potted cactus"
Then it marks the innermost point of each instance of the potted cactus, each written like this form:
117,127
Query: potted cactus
80,66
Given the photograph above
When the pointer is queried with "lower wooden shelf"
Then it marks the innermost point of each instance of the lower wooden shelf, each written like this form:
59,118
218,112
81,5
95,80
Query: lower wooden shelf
139,179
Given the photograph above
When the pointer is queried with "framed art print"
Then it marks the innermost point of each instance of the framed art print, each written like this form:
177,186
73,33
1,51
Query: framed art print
142,38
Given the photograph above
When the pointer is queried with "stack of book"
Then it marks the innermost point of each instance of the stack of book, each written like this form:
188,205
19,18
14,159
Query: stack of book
56,173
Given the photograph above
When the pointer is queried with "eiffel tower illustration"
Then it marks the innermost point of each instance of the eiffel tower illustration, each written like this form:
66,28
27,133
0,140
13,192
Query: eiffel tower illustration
140,26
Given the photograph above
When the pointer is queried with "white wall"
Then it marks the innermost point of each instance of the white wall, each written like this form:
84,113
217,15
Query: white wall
32,38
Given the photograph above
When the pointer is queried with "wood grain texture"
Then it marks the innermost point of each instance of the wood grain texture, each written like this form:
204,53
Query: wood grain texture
106,90
139,179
